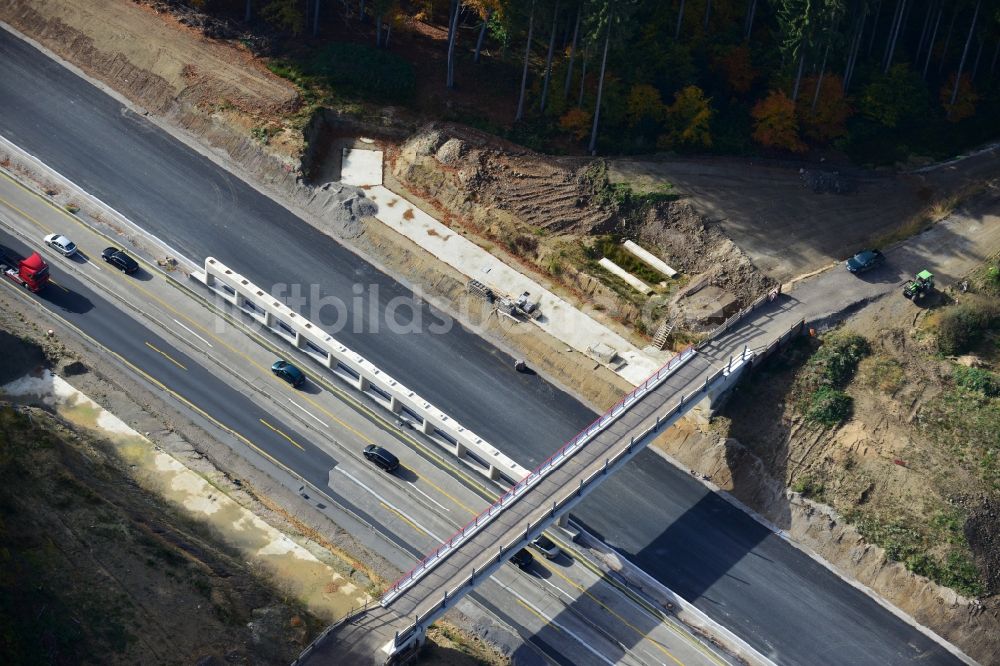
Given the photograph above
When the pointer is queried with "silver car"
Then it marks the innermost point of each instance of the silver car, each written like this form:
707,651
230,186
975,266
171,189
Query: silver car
546,547
61,244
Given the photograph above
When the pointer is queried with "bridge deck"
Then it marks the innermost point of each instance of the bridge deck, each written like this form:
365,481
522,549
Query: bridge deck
480,551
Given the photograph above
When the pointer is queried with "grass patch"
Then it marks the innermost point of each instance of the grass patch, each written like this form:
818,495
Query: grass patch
819,385
965,422
620,196
986,280
978,380
809,487
829,406
883,373
960,327
939,552
610,247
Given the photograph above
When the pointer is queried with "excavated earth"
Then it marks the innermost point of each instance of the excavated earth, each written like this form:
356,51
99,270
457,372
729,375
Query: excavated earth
216,93
534,207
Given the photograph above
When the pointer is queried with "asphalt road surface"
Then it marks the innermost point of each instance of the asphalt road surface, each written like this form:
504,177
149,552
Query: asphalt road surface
174,369
766,591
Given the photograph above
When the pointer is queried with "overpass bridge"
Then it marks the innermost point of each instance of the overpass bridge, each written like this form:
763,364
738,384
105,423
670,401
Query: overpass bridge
392,629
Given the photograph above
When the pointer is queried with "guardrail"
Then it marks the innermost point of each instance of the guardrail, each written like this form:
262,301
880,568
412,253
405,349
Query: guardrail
726,325
357,371
530,479
333,627
611,464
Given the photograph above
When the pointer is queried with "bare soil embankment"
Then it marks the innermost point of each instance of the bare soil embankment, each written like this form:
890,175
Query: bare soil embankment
904,492
97,569
555,217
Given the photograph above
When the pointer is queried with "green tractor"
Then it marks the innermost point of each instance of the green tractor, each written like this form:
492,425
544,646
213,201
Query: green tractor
918,286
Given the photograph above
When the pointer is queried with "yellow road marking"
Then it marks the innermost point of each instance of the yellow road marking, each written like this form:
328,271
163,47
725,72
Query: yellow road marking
174,394
21,212
541,617
404,518
282,434
621,619
447,494
473,483
166,356
51,281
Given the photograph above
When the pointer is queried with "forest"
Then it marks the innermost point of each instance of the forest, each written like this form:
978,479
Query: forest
876,81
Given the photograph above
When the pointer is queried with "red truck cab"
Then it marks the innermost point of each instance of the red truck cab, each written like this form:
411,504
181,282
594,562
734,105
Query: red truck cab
32,272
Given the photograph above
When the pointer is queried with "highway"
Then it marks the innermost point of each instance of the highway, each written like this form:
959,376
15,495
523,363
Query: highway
769,593
176,344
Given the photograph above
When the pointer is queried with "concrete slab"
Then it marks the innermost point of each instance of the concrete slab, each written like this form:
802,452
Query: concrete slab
632,280
559,319
650,258
361,168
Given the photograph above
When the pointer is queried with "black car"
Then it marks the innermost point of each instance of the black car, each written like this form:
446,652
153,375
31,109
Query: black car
120,260
381,457
865,260
288,372
522,559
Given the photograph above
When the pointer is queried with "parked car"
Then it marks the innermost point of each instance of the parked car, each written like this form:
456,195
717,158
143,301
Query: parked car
522,559
291,374
544,545
381,457
61,244
864,261
120,260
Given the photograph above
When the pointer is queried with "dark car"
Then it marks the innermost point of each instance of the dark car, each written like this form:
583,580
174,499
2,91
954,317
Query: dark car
865,260
522,559
288,372
120,260
381,457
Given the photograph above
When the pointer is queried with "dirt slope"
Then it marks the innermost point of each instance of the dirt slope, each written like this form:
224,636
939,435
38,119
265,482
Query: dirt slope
202,72
791,219
555,216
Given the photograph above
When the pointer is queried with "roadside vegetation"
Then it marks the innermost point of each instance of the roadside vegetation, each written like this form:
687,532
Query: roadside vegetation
819,386
895,426
93,569
882,82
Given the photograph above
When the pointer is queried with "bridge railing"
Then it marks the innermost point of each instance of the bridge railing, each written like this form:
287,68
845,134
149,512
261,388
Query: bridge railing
553,461
611,463
726,325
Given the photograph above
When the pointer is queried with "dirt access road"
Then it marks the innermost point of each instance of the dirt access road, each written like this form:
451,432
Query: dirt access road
774,213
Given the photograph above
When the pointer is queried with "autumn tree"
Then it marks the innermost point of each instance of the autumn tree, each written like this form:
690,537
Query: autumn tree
736,68
577,122
689,121
961,105
644,104
284,15
775,124
823,117
894,98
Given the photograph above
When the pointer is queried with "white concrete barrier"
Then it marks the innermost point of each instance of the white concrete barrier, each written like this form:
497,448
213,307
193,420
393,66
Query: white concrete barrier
649,258
358,372
632,280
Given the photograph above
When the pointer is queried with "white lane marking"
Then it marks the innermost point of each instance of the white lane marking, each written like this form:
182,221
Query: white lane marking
96,266
569,633
193,333
388,503
308,413
92,263
558,589
429,497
